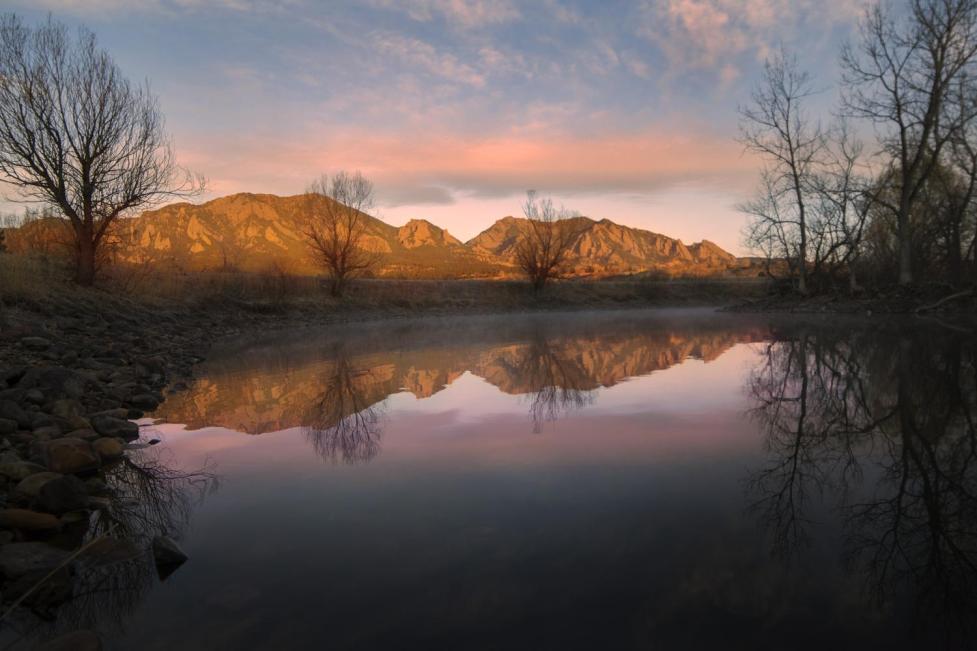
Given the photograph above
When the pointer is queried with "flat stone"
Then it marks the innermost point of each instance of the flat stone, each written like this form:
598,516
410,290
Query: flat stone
27,520
71,455
35,343
83,640
20,558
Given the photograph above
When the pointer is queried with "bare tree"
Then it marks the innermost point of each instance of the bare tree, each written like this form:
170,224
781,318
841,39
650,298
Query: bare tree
777,127
901,77
338,226
78,136
845,196
546,241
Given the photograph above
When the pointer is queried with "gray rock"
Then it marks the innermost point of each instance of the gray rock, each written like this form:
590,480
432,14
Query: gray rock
115,427
7,426
34,395
20,558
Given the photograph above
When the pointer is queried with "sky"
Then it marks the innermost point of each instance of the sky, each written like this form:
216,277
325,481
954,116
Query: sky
454,108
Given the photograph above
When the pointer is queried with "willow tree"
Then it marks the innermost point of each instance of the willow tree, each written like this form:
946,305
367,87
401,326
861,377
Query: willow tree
546,241
76,135
338,226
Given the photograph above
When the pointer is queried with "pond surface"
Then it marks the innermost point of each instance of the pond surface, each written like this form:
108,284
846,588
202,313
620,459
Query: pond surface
667,480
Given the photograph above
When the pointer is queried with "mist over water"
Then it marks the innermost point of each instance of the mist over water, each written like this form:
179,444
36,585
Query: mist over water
655,479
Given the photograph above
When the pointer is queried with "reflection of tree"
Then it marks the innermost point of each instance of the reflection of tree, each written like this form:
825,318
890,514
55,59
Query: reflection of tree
343,422
834,408
557,382
145,496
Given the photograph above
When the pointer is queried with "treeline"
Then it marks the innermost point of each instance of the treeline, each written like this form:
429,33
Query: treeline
900,208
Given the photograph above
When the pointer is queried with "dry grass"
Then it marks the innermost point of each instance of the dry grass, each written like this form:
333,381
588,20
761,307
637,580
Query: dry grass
24,278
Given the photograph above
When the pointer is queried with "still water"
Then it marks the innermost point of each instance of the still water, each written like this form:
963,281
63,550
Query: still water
666,480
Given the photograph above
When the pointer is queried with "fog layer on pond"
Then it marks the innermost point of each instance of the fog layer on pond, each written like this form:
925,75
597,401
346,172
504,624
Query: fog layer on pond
679,479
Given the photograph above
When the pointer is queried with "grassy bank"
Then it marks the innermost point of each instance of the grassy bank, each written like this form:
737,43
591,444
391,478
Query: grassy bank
25,281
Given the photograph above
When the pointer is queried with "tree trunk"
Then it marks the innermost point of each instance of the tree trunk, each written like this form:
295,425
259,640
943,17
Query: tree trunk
905,242
954,254
337,286
85,260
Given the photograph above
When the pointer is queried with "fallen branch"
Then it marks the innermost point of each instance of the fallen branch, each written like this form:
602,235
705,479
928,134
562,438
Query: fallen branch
945,299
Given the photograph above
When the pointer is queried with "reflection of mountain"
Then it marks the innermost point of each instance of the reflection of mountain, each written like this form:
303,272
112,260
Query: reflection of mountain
270,388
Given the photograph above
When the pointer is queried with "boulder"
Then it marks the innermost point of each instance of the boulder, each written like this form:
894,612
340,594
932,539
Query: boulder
62,495
115,427
71,455
20,558
27,520
144,401
109,448
53,493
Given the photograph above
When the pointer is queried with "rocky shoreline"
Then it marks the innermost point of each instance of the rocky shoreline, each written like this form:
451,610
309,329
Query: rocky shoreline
75,373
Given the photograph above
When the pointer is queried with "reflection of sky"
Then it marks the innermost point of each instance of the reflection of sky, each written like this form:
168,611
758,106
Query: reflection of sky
625,110
683,410
622,525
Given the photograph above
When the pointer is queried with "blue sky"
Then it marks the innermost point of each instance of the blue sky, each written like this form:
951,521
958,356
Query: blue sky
623,110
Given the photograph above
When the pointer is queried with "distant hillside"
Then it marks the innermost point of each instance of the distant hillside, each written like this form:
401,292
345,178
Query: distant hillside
255,232
260,232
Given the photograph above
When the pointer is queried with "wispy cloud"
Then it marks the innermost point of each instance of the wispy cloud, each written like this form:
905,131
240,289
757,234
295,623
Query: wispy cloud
467,14
424,56
715,34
